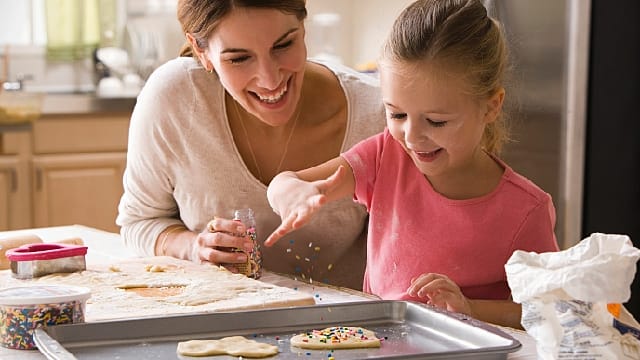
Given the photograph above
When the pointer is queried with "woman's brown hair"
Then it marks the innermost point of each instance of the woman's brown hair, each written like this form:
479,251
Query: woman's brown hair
201,17
460,35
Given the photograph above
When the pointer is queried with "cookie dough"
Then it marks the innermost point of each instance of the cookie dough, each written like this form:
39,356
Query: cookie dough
232,345
336,337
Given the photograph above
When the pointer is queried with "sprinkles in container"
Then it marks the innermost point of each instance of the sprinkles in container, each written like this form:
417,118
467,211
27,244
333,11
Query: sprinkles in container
253,266
25,308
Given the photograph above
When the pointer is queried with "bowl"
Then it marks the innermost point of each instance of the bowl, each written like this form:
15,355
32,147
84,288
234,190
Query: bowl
26,308
19,107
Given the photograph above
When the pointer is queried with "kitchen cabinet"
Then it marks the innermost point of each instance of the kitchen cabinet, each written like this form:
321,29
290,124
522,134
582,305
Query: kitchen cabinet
15,201
77,166
77,189
8,188
65,169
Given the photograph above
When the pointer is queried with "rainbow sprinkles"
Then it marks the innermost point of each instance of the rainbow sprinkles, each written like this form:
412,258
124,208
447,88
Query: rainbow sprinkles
336,337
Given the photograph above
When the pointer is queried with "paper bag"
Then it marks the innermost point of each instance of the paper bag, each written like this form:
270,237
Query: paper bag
564,297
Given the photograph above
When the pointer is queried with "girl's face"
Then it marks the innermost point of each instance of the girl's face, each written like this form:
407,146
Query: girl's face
431,114
260,56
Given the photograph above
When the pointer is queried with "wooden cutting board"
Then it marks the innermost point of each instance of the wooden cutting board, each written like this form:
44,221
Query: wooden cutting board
160,286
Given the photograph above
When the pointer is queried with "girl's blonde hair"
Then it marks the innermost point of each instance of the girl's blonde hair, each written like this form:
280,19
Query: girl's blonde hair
459,35
201,17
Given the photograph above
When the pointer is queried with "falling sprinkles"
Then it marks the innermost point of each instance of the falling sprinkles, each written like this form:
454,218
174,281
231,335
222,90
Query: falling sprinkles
311,257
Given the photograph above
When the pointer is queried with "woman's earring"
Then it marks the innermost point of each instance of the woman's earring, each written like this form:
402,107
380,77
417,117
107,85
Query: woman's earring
210,71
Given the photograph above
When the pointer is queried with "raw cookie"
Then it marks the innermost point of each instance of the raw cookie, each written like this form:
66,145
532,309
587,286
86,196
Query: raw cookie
232,345
337,337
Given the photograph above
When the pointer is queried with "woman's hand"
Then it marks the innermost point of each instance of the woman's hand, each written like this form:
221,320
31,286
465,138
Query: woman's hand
217,244
440,291
296,200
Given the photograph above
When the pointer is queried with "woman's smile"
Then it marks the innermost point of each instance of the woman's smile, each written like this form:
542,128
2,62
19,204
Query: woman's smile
273,99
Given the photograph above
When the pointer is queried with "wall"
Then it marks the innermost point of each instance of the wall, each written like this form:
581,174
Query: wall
356,38
372,21
365,23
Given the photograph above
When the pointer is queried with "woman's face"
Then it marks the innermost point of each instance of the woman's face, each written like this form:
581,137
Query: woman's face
430,113
260,57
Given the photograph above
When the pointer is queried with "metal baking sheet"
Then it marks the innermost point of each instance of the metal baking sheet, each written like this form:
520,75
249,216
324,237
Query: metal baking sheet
409,331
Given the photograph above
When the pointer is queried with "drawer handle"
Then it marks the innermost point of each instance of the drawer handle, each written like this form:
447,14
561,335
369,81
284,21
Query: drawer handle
38,179
13,175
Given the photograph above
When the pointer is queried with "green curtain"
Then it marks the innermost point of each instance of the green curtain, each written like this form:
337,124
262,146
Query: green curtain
73,28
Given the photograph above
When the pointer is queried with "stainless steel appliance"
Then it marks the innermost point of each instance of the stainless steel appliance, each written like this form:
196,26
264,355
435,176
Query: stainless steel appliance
547,94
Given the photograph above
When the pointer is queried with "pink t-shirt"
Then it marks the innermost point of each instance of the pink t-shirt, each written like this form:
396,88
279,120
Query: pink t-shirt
414,230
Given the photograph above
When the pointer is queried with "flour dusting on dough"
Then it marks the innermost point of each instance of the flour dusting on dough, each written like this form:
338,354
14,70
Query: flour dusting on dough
203,288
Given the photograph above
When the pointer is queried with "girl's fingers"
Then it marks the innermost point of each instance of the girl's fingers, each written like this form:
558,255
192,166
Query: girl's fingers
420,282
285,227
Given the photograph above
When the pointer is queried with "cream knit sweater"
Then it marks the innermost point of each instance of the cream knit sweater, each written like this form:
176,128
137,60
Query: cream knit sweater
183,167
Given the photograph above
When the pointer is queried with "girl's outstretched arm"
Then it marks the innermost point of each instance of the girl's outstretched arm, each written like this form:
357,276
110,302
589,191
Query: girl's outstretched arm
296,196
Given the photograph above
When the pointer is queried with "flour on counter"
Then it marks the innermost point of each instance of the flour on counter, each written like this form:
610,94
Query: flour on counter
181,287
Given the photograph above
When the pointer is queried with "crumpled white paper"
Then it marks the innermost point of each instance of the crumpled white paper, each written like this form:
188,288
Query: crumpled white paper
564,297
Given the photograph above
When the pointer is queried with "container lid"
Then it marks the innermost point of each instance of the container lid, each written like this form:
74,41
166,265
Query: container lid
45,251
43,294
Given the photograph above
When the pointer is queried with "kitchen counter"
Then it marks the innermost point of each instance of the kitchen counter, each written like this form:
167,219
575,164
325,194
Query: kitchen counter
85,103
75,104
106,247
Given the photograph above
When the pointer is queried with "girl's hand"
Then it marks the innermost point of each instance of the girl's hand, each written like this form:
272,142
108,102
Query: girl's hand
218,242
296,200
440,291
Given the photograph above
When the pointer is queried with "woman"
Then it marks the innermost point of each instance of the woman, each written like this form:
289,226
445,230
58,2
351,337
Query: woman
210,131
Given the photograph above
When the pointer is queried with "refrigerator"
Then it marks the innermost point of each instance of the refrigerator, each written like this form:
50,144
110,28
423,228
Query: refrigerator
546,100
575,96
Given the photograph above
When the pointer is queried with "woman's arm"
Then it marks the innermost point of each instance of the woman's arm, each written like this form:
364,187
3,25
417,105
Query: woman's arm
296,196
211,245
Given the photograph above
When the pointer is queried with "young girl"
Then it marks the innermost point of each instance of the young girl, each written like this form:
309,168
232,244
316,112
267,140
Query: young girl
445,212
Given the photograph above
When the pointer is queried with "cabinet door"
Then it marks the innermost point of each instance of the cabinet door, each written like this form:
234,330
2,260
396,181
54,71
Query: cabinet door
8,187
15,209
78,189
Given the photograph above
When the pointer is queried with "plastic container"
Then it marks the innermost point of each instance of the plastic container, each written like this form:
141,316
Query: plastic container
23,309
34,260
253,267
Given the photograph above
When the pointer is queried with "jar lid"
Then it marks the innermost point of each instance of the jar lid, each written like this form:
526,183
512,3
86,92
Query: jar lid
43,294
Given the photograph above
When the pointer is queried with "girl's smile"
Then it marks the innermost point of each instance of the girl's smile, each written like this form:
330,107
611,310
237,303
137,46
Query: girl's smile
427,156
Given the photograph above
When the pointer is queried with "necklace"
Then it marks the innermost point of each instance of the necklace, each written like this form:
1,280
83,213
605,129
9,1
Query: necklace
286,144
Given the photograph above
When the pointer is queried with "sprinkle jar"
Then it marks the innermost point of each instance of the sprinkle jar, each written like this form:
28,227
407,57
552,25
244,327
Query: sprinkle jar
25,308
253,266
